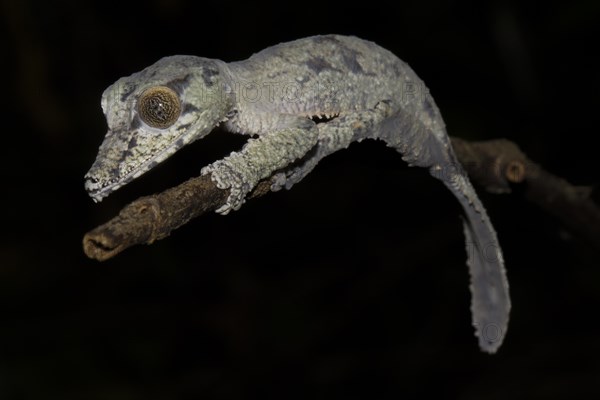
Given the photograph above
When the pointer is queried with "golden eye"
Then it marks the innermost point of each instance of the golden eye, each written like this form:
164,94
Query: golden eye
159,107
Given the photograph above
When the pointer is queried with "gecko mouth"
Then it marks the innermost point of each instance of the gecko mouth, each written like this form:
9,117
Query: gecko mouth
99,188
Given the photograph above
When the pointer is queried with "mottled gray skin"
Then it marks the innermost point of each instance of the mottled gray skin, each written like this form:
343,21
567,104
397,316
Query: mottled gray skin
302,101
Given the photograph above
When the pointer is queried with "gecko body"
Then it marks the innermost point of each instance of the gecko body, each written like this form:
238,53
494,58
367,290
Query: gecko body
300,101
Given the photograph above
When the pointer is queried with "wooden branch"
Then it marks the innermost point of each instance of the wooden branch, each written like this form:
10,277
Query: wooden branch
493,164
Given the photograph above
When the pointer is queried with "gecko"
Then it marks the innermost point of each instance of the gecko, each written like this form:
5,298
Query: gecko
298,102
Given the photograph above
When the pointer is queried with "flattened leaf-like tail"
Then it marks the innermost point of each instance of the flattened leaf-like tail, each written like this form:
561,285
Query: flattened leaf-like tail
421,138
490,304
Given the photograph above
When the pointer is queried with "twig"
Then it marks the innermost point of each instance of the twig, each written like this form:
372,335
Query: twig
493,165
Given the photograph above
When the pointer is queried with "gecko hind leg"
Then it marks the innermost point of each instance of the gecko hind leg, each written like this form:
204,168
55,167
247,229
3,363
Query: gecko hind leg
334,135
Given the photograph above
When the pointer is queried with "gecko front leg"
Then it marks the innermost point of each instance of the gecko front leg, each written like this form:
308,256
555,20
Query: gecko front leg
241,171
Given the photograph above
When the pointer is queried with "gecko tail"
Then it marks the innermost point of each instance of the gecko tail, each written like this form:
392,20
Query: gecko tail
490,299
426,144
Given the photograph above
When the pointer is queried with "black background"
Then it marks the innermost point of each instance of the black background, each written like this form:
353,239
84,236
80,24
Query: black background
351,285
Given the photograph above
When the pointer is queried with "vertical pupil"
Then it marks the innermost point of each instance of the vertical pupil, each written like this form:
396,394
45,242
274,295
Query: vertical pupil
159,108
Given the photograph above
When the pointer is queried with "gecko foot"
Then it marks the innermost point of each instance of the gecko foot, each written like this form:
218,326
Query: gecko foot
231,173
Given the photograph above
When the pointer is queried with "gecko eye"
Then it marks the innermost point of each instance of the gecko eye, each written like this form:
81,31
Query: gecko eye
159,107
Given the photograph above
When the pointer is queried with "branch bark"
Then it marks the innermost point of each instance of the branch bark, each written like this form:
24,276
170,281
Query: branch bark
494,165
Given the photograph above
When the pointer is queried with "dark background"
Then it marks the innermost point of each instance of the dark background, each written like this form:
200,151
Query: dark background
351,285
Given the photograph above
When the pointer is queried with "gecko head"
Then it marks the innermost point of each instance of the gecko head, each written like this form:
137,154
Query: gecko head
152,114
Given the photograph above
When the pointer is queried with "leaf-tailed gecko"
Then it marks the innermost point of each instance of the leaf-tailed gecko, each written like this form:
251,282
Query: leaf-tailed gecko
300,101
